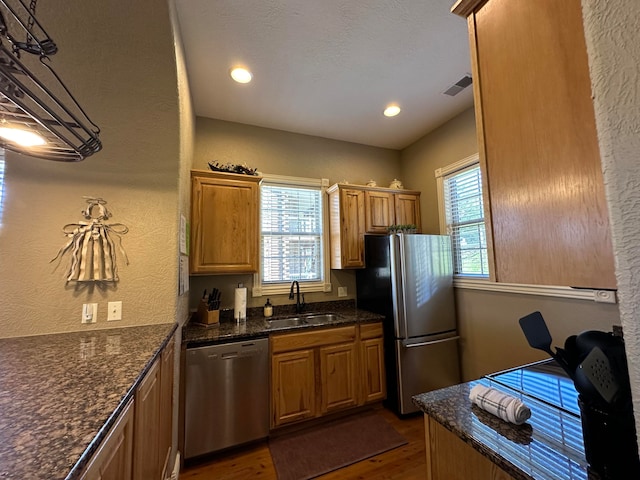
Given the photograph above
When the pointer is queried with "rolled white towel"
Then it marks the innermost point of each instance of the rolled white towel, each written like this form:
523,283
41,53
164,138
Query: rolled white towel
500,404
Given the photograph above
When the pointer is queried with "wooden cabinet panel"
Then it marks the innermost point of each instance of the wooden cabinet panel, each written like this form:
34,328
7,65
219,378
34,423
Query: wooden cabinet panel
373,373
347,227
379,211
224,223
293,387
166,406
338,374
146,457
313,338
538,144
444,451
113,460
407,210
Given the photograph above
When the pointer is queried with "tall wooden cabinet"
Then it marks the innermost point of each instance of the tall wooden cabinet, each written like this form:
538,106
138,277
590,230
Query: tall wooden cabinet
355,210
224,223
538,144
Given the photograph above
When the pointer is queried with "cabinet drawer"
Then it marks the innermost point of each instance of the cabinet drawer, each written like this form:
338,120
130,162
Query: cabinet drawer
370,330
316,338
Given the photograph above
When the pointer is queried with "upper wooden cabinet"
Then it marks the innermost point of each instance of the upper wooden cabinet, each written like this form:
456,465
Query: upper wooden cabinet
537,142
224,223
355,210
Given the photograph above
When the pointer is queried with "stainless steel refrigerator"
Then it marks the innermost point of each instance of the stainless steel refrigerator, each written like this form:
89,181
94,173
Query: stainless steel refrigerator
409,279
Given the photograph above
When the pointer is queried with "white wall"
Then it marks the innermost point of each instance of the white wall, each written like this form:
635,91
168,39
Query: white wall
613,45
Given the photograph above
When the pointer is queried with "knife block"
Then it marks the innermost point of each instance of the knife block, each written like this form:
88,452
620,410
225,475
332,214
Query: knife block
206,316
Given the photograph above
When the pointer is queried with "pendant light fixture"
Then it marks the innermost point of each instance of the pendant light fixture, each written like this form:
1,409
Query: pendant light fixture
39,116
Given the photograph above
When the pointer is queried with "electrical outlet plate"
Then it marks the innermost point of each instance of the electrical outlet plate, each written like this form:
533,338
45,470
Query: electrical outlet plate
342,291
114,311
89,313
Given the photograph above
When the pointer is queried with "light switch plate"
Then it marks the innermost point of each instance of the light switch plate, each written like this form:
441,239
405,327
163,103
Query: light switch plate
114,311
89,313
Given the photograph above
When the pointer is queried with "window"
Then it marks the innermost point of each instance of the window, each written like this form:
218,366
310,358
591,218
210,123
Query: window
462,216
292,240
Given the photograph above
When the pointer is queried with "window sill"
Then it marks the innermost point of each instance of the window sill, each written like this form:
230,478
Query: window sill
604,296
282,289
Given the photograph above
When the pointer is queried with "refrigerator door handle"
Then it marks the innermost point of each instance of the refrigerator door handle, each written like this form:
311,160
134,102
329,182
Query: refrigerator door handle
397,287
422,344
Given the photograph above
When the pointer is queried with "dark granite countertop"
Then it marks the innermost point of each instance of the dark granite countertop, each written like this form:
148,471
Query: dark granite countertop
60,394
549,446
256,325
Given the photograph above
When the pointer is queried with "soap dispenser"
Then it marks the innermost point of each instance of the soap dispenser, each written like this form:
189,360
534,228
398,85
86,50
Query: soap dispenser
268,309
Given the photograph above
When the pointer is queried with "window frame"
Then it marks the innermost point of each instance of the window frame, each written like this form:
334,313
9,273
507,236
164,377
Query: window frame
259,289
441,174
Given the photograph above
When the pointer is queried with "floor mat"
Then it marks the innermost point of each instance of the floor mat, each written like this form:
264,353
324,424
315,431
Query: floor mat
327,447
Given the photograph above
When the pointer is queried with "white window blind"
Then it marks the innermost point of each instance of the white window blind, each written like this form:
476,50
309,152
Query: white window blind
291,234
464,217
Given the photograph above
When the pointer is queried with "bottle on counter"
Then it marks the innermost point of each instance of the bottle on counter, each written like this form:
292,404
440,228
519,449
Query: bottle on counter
268,309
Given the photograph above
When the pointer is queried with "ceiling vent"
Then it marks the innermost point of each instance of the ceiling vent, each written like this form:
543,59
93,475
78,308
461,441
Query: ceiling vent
460,85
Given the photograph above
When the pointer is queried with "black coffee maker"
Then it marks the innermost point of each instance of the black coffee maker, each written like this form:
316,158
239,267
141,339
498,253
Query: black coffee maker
597,364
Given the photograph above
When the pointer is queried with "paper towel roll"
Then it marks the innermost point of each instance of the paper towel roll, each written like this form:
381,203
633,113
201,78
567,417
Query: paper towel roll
240,304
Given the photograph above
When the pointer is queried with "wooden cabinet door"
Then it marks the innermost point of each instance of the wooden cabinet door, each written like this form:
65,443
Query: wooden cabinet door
147,464
224,223
347,224
292,386
539,144
166,406
112,461
338,377
407,209
372,370
379,211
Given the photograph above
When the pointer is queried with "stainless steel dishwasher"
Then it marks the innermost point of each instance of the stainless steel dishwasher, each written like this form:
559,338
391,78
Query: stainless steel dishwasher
227,395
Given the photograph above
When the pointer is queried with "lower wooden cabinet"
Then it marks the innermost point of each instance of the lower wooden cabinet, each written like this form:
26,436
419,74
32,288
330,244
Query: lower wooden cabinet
138,446
113,460
338,377
318,372
293,386
372,374
444,453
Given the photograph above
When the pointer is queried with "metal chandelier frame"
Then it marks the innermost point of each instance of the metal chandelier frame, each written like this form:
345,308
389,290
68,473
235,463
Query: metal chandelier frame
26,102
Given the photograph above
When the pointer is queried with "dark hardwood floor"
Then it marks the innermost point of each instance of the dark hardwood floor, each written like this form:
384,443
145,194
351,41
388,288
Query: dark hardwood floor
405,462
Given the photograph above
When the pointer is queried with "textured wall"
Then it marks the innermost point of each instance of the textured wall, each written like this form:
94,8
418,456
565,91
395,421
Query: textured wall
283,153
613,39
123,72
447,144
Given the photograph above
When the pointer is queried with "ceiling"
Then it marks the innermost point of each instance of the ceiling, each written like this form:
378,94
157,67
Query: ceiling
328,67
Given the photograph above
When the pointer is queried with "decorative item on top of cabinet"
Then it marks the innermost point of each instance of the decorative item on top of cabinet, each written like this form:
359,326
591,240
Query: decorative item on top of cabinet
544,205
355,210
224,223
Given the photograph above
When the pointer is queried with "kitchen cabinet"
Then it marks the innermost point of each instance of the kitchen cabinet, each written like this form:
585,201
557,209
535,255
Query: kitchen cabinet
113,459
293,386
321,371
538,147
444,451
372,372
153,425
338,382
166,406
347,227
224,223
355,210
313,373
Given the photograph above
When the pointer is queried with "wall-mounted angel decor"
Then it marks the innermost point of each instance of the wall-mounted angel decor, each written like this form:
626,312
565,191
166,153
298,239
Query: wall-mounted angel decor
93,244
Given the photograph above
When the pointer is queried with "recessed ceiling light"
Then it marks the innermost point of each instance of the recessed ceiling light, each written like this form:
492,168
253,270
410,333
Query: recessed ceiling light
391,111
241,75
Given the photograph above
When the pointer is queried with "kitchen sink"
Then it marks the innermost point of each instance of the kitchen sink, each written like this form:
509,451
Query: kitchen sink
311,319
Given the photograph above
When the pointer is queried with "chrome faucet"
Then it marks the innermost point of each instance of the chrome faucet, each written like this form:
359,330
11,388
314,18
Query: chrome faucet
299,305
